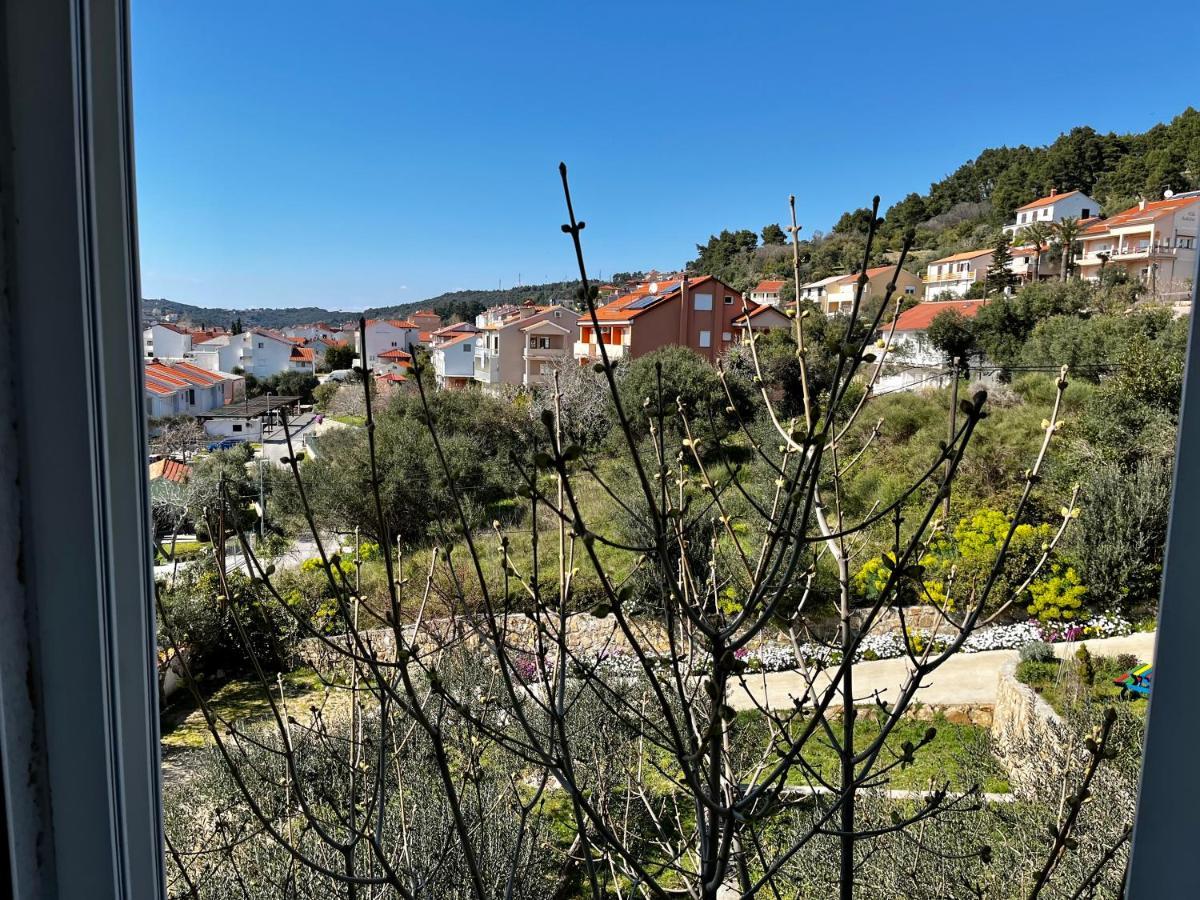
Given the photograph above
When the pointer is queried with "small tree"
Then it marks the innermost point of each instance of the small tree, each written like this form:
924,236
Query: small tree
1038,236
953,335
1000,278
176,436
339,356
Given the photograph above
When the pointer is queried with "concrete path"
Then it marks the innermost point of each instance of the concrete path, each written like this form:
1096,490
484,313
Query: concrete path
965,679
302,549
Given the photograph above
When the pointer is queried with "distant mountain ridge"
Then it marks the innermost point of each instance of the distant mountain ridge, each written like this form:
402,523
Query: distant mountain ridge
453,304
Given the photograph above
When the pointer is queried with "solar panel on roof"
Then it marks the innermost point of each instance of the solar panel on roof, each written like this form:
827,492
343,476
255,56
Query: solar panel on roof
668,288
643,302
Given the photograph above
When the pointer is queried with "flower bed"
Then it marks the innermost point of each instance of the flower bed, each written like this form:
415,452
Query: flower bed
782,657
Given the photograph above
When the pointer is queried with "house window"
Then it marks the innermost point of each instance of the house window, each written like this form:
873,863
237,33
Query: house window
728,300
260,345
910,290
393,343
702,302
237,427
726,336
1085,213
557,314
706,339
467,348
191,398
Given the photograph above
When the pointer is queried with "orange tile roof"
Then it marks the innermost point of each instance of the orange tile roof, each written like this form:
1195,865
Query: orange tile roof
917,318
760,308
303,354
196,372
425,337
871,273
157,370
158,388
170,470
619,310
170,327
969,254
769,287
395,353
1046,201
455,338
1136,215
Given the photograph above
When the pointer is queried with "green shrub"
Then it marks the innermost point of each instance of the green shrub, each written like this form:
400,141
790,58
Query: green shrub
1038,651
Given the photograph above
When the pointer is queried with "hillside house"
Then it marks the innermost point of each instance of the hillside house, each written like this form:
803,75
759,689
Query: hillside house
384,334
815,291
952,276
523,345
1052,208
697,313
910,359
763,317
1154,242
259,352
452,354
840,294
768,292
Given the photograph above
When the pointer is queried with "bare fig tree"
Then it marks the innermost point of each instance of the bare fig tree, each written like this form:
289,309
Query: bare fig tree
484,753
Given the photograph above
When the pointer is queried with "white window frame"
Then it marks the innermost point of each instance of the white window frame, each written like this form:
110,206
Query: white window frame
705,338
79,743
702,302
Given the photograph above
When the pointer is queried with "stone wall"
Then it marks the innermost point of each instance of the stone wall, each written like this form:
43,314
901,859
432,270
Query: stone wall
1029,738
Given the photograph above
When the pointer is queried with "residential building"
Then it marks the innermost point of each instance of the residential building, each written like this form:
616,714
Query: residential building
952,276
522,345
312,332
165,340
815,291
910,359
1028,264
426,320
179,388
169,470
768,292
1155,242
258,352
385,334
762,318
1051,209
840,294
698,314
452,354
247,418
393,362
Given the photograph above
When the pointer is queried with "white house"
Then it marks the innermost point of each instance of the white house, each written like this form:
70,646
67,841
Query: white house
385,334
910,360
767,292
1054,208
453,356
258,352
815,291
165,340
1155,242
954,275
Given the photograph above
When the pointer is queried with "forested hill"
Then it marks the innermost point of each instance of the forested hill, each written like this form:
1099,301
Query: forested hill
450,306
965,209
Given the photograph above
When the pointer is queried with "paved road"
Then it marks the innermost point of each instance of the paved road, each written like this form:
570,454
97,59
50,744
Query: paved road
301,549
968,678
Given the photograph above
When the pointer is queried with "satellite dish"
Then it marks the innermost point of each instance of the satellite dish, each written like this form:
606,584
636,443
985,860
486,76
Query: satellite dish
1168,194
654,287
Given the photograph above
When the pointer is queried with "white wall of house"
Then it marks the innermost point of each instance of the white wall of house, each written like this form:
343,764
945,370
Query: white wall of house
955,277
383,335
158,340
455,360
1067,206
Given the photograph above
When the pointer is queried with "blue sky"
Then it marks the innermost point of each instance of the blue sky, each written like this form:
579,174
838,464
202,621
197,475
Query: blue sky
351,154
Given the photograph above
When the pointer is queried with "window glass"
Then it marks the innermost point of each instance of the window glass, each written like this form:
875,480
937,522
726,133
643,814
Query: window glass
702,302
705,338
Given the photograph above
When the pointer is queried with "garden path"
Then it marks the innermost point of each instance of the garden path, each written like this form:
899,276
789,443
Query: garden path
966,679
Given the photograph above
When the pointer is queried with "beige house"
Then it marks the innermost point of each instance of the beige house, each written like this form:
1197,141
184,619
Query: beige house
523,345
951,277
839,294
1155,242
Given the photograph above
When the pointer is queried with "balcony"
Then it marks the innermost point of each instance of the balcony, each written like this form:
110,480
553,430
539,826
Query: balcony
948,277
585,350
545,352
487,369
1127,253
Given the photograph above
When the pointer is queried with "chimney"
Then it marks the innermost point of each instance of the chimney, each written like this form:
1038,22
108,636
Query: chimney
1053,192
1141,203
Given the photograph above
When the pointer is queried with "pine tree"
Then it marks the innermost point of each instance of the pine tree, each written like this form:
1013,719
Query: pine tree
1000,278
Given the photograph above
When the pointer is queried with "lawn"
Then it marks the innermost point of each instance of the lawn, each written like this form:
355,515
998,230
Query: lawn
1059,685
239,700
